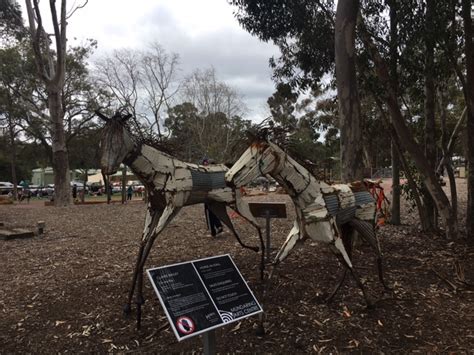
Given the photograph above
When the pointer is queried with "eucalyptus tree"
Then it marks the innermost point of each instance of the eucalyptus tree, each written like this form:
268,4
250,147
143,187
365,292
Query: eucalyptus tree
50,59
219,109
467,11
220,137
11,21
407,54
144,82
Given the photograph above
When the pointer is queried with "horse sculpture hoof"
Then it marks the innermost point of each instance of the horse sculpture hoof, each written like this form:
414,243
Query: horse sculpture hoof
370,305
260,330
127,310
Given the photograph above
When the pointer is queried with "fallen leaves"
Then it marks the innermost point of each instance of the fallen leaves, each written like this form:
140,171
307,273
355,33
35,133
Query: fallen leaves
65,292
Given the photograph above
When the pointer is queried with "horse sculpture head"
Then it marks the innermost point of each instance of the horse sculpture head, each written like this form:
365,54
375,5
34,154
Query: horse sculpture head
261,158
115,143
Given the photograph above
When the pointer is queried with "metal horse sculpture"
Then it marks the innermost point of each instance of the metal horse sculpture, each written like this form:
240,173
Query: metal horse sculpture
171,184
326,213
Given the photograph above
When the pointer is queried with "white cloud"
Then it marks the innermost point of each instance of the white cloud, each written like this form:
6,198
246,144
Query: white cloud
204,33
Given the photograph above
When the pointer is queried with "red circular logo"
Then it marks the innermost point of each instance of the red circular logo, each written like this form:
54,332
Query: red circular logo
185,325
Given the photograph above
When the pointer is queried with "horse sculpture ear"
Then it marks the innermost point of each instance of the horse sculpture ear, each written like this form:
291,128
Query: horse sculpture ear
101,116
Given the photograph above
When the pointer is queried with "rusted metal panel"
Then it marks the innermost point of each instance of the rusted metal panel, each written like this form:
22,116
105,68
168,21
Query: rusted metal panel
332,203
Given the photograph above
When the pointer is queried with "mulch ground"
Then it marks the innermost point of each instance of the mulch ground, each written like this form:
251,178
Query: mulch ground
64,291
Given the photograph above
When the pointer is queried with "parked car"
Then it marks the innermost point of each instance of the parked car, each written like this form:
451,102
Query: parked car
7,187
79,186
34,189
96,188
116,188
48,190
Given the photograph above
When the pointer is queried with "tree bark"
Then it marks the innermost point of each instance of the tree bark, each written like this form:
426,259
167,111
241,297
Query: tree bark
399,151
84,183
62,178
124,184
348,97
396,189
430,105
51,70
408,141
469,97
446,154
11,129
452,141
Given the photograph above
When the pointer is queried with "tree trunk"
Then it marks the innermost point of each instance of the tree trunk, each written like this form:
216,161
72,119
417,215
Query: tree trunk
452,141
62,179
408,141
424,218
401,159
430,126
84,183
396,190
469,92
446,153
124,183
51,70
11,130
348,97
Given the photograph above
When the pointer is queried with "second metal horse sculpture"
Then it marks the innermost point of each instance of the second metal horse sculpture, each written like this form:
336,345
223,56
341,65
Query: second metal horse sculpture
171,184
326,213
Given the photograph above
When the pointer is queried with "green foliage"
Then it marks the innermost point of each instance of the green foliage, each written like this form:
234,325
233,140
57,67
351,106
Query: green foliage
24,98
11,22
195,135
407,191
83,149
29,156
303,30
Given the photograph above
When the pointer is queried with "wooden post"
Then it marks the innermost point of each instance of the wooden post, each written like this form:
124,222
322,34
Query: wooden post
40,227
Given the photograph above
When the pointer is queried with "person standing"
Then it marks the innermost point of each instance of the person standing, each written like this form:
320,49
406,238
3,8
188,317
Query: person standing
129,193
213,222
74,192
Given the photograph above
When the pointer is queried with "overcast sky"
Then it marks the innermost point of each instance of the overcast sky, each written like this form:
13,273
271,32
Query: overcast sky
203,32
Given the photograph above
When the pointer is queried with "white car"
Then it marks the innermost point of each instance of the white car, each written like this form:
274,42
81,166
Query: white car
7,187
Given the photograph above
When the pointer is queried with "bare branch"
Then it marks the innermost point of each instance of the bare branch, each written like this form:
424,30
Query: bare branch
74,9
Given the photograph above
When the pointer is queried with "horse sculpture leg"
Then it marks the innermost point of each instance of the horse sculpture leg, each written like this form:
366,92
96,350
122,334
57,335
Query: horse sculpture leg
341,253
357,280
164,218
367,232
348,235
169,212
243,209
219,209
151,220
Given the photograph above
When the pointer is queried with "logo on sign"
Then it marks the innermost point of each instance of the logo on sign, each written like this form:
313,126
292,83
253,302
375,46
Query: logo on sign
185,325
226,316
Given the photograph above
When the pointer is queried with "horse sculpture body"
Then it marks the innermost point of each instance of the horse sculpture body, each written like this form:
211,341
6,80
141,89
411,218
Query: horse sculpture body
326,213
171,184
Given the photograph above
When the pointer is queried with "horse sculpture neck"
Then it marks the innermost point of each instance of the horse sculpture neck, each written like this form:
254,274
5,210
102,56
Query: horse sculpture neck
300,184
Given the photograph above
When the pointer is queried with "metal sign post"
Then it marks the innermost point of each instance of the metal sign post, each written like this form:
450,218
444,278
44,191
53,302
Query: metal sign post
267,229
268,210
209,339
